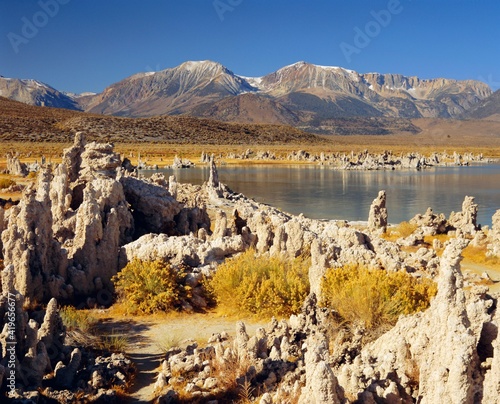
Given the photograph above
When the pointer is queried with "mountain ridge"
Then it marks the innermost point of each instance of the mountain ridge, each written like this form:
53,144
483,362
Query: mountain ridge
302,94
487,109
34,92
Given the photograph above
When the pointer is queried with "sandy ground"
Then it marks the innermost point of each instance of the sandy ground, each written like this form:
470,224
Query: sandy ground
492,271
147,338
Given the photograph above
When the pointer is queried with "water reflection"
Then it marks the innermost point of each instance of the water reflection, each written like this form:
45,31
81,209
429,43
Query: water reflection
322,193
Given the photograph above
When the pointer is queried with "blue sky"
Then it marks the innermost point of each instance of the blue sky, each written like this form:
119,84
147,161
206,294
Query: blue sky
86,45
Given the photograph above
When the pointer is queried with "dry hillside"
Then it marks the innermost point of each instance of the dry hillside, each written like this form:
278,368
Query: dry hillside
21,122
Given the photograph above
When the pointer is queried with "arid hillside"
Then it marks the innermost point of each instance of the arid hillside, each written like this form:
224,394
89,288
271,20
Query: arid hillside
21,122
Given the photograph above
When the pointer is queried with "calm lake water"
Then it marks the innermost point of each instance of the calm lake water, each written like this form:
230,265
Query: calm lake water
322,193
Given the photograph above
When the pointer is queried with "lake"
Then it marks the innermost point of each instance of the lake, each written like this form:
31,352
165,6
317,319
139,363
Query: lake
322,193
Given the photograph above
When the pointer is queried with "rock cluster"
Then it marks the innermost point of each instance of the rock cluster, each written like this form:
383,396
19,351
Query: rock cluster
274,359
386,160
34,354
60,238
86,218
64,237
182,163
430,223
447,353
462,223
494,236
435,356
15,167
465,221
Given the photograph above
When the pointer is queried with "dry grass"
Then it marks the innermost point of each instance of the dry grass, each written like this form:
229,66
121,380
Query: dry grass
228,371
113,342
122,394
6,183
404,229
247,392
169,341
74,319
477,255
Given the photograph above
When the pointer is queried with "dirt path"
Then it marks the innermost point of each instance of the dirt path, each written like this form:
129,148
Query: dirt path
147,338
493,273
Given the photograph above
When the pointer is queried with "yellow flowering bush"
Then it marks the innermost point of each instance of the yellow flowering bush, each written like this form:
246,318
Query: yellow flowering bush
146,287
374,297
260,285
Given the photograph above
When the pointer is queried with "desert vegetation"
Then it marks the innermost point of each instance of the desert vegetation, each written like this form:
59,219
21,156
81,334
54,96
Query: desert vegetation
6,183
403,229
262,286
147,287
374,298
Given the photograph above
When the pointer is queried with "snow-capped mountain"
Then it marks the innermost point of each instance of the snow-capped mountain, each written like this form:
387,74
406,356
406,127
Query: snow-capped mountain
301,94
34,92
302,91
171,91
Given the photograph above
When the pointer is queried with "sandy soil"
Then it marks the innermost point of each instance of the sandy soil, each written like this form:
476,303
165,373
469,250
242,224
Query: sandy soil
147,338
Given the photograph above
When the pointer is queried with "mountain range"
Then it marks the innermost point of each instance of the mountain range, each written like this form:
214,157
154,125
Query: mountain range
307,96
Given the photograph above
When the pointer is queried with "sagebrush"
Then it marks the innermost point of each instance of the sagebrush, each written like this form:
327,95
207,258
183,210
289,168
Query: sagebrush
374,298
260,285
147,287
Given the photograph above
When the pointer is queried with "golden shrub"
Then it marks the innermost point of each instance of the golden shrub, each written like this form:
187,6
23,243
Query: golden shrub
147,287
374,297
6,183
262,285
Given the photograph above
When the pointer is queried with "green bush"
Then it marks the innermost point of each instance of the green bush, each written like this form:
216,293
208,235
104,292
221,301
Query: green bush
147,287
264,286
374,298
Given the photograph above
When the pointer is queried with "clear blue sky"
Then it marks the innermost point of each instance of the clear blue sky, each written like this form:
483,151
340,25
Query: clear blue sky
87,45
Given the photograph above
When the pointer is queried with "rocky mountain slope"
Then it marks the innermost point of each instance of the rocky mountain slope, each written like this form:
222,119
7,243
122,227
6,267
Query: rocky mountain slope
303,95
170,91
488,109
299,94
21,122
34,92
